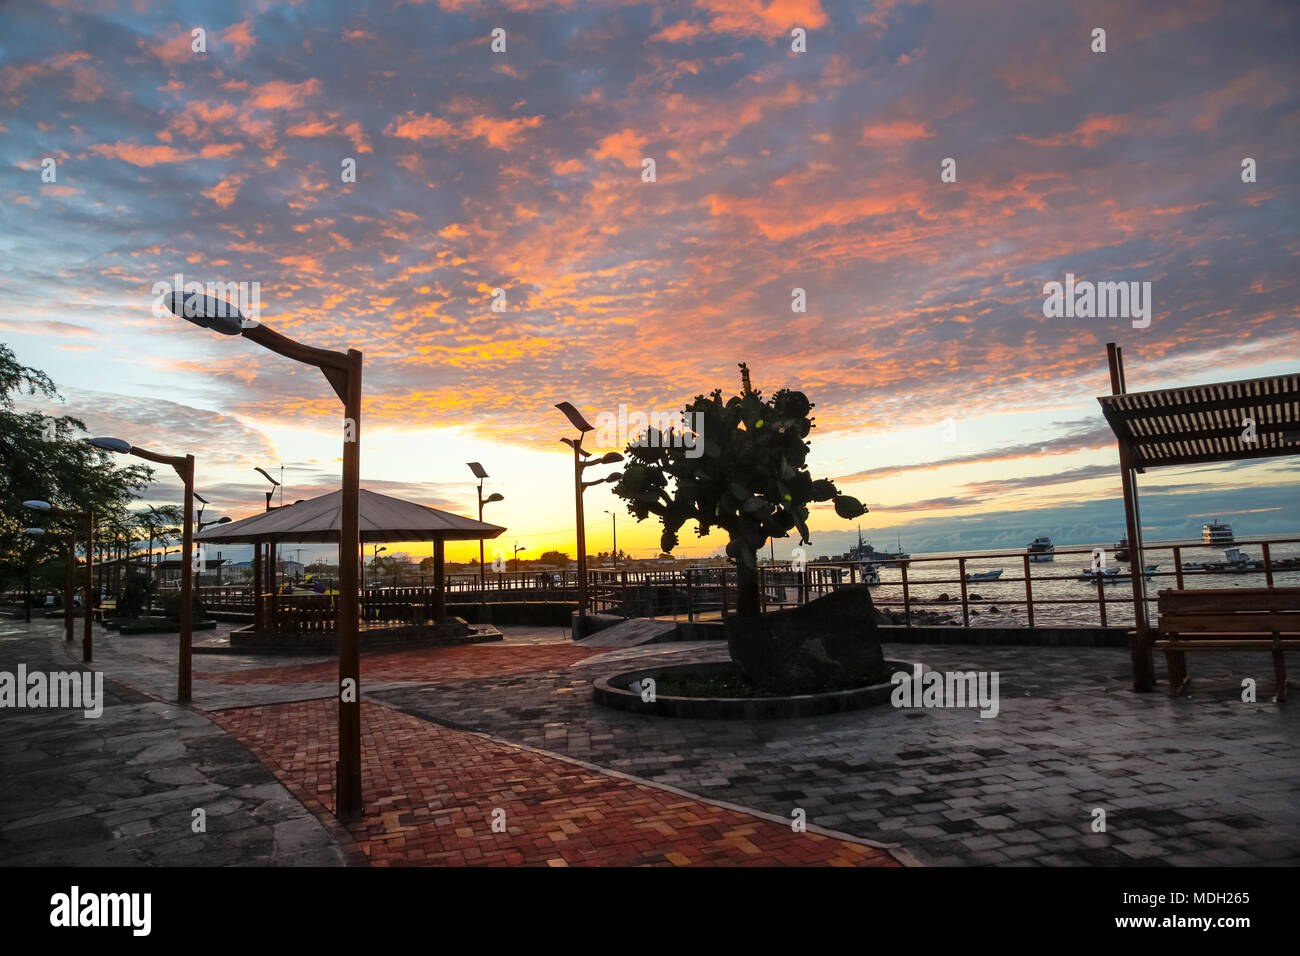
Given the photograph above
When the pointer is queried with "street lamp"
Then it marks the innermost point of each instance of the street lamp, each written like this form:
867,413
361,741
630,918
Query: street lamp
270,581
88,609
480,474
343,372
375,561
583,426
614,552
184,468
274,484
518,548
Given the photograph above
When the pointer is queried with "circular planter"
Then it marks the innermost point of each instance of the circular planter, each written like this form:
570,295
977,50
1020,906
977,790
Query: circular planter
613,692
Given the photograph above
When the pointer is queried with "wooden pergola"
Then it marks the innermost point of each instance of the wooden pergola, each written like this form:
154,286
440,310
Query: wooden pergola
1199,424
382,519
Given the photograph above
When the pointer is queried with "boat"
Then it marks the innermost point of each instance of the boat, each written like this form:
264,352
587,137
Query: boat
1215,534
1121,549
865,552
1238,560
869,574
1041,549
984,575
1111,575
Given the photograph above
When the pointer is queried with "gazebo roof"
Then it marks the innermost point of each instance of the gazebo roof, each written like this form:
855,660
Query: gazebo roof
1205,423
383,518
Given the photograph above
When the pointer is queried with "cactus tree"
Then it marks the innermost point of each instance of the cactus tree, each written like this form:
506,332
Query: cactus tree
746,474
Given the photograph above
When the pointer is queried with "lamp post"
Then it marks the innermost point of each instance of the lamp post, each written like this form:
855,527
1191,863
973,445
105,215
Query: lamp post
480,474
579,465
343,372
88,601
614,552
375,561
270,545
184,468
69,577
518,548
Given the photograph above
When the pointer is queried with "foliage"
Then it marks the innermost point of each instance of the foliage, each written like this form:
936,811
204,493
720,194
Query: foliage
42,456
559,558
136,591
751,480
171,606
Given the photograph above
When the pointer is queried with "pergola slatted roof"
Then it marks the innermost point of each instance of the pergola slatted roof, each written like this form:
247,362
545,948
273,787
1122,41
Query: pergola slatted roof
382,519
1205,423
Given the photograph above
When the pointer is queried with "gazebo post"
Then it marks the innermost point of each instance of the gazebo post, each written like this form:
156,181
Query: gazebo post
439,580
1140,653
257,588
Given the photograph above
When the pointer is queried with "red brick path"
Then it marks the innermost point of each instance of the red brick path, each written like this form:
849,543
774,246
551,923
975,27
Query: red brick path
430,792
435,664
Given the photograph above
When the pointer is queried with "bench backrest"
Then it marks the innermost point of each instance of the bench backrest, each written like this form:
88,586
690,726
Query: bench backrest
1230,611
1229,600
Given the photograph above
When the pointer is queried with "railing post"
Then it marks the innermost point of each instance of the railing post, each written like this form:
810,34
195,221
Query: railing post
965,605
907,606
1178,567
724,594
690,596
1268,567
1029,593
1101,590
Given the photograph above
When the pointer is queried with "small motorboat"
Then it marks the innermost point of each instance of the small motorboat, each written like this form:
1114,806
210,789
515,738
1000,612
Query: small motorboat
1041,549
1111,575
984,575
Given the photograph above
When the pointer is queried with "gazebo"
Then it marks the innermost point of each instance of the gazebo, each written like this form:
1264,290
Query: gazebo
1199,424
318,520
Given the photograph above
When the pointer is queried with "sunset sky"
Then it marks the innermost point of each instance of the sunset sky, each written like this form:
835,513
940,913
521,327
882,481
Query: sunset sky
946,400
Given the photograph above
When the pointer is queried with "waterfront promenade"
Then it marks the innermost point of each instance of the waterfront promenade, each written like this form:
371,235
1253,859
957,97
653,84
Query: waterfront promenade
459,738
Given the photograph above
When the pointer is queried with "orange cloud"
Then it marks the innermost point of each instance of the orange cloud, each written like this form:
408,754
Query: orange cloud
240,36
138,155
281,95
771,18
627,145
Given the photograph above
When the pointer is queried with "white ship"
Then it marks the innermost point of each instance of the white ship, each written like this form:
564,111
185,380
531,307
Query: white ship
1042,549
1216,535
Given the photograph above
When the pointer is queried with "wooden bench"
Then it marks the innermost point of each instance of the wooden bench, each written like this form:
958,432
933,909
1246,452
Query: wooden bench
1229,619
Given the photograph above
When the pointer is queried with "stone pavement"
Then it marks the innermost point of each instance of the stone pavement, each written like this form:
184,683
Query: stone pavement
1199,780
454,733
121,789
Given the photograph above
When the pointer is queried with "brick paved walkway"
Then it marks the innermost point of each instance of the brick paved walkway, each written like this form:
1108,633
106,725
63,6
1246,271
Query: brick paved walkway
433,665
431,793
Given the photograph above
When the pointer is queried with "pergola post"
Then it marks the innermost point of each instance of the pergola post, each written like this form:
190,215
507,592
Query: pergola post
1140,652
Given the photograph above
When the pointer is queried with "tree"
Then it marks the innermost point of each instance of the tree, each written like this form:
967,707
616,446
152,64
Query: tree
43,456
553,557
751,479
